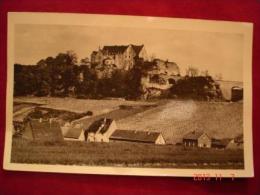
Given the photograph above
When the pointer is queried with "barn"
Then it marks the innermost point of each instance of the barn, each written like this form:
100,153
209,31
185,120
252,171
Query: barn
100,130
236,143
138,136
197,139
44,130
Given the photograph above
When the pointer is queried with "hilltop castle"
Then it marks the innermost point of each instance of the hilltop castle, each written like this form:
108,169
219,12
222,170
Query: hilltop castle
122,57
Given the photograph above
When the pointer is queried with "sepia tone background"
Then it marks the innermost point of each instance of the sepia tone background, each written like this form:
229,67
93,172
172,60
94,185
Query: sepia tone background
38,183
184,47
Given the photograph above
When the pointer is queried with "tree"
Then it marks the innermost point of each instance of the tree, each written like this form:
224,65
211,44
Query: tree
85,61
72,57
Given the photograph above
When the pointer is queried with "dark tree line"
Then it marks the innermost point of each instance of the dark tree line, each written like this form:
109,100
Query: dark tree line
62,76
197,87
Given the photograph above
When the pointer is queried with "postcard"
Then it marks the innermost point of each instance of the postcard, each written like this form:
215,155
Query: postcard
128,95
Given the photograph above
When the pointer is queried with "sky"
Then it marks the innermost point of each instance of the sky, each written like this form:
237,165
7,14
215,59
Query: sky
218,53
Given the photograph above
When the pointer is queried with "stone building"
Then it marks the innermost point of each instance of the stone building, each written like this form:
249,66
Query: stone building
123,56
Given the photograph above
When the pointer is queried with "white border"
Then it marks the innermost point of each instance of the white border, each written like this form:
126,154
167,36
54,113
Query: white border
137,22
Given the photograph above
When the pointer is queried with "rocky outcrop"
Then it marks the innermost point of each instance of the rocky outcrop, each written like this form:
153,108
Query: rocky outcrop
158,77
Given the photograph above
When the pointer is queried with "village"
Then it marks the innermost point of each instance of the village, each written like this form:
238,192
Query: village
105,130
117,121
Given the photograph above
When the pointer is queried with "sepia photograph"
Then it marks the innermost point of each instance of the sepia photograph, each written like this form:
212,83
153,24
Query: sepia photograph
128,95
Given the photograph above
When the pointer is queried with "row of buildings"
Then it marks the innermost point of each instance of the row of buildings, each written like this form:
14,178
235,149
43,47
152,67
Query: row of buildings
203,140
101,130
105,130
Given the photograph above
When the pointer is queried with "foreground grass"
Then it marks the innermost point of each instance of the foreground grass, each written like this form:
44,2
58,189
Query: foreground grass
123,154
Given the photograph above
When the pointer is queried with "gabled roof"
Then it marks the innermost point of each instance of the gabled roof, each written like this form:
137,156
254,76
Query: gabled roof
74,132
137,48
193,135
115,48
22,114
45,130
94,52
101,125
133,135
121,48
220,142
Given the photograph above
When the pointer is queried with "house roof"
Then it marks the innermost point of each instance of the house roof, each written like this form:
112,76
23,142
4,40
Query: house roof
121,48
137,48
74,132
220,142
115,48
193,135
133,135
20,115
94,52
100,125
45,129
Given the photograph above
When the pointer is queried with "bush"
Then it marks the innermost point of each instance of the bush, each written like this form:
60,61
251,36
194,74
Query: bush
200,87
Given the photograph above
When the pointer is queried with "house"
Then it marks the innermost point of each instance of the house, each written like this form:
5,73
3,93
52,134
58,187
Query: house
100,130
197,139
138,136
122,56
43,129
236,143
74,132
220,143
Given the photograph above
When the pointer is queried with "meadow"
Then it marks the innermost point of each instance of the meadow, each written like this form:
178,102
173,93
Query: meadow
123,154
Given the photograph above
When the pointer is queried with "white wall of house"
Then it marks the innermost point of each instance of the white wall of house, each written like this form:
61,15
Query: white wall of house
91,137
143,54
204,141
110,130
99,137
160,140
65,128
82,136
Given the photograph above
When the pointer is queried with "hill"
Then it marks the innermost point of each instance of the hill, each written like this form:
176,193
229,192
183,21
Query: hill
176,118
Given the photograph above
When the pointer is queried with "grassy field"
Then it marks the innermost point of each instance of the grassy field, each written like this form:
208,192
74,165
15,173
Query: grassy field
123,154
177,117
173,118
80,105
